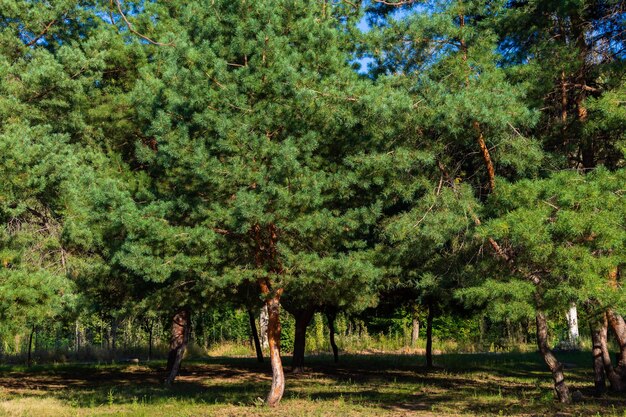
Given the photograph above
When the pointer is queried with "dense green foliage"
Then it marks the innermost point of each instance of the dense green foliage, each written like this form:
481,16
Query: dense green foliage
457,164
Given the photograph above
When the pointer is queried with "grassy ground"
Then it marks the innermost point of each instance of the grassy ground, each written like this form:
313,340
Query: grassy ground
365,385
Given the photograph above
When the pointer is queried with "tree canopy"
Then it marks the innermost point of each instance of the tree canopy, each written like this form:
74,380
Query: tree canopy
163,158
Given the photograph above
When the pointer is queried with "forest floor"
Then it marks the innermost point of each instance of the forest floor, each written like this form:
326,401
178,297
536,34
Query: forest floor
360,385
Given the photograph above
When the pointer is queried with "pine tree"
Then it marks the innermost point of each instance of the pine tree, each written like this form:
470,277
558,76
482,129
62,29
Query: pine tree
250,120
571,57
565,233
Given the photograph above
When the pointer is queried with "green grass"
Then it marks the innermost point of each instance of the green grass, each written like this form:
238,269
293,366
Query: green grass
360,385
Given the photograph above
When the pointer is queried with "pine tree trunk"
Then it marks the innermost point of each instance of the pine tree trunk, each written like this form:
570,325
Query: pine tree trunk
554,365
266,253
415,331
273,337
181,329
484,150
113,339
30,347
598,360
429,336
614,378
303,318
255,336
618,326
150,334
76,337
331,316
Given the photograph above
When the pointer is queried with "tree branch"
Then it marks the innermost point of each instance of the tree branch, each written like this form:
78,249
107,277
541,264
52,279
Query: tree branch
43,33
132,30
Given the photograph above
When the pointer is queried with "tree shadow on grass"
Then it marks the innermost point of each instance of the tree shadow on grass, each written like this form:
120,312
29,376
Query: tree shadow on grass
85,386
475,386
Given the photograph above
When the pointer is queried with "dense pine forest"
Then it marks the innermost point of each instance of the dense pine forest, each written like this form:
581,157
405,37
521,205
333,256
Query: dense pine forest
286,180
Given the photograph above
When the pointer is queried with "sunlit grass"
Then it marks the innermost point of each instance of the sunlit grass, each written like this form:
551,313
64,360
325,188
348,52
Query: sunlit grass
360,385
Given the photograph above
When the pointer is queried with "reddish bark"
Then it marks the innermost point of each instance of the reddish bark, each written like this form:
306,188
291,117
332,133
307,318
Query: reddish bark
266,255
614,378
618,326
484,150
273,336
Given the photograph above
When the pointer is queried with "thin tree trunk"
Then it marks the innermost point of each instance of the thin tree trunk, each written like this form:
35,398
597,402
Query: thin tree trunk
587,146
599,381
30,347
114,336
331,316
429,336
76,337
563,105
255,336
150,334
181,329
109,338
484,150
415,331
303,318
554,365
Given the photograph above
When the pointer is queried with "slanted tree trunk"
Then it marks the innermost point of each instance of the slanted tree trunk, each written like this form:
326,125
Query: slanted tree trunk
429,336
617,384
30,347
255,336
273,336
181,329
618,326
266,255
554,365
331,316
303,318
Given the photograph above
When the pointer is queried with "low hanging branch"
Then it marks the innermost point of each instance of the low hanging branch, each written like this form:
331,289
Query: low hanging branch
132,29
